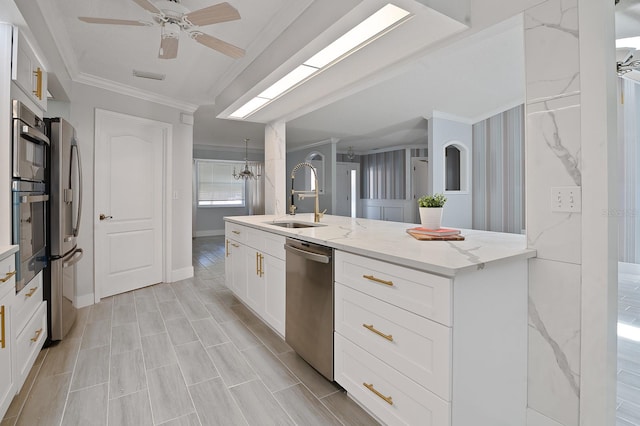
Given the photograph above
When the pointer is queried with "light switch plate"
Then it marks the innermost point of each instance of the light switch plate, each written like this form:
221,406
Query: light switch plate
566,199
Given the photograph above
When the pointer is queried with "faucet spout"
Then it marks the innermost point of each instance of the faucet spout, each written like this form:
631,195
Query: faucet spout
292,208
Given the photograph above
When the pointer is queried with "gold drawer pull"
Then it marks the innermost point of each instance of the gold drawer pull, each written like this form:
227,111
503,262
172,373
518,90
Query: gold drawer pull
33,290
387,399
261,266
37,335
7,276
235,245
236,232
378,280
2,336
226,249
370,327
257,263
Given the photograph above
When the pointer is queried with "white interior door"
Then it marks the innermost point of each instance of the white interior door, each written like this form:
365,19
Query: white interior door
347,189
129,202
419,181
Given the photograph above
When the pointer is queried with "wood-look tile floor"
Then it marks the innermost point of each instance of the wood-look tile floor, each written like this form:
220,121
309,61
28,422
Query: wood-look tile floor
185,353
628,411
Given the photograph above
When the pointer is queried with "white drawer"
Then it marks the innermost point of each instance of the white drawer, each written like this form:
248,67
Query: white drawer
27,301
30,340
419,292
273,245
235,232
413,345
8,274
411,404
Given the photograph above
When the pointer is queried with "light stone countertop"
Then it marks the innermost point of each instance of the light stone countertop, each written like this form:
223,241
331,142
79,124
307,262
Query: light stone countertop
6,251
389,242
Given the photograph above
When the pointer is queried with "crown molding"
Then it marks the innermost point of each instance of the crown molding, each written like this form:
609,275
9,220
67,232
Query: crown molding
333,141
103,83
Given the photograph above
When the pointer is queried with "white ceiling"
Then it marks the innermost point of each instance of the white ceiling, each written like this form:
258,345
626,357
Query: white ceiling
376,97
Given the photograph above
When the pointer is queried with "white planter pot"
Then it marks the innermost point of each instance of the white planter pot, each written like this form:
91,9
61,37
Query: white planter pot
431,217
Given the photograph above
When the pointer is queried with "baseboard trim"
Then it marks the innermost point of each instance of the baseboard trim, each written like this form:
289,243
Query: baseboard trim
84,300
181,274
210,233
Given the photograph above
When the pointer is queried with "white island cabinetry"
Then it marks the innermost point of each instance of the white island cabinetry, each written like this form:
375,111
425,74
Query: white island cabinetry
425,332
419,348
255,272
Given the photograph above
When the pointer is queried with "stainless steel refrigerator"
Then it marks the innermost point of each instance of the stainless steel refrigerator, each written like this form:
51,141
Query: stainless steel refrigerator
65,210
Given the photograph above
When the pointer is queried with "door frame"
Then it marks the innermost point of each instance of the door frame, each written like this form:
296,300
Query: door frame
167,170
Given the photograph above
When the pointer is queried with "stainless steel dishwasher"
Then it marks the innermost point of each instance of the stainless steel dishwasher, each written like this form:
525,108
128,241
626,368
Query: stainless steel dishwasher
309,320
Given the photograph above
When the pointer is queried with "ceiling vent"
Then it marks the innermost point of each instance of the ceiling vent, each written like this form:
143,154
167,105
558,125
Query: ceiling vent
149,75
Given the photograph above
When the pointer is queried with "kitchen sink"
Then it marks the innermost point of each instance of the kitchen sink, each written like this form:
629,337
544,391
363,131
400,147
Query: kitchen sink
290,224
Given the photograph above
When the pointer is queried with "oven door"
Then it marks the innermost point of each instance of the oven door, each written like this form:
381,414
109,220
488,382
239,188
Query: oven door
29,232
29,152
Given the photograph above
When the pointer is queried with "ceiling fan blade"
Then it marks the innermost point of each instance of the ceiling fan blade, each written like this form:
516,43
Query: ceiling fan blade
219,45
111,21
168,48
147,5
221,12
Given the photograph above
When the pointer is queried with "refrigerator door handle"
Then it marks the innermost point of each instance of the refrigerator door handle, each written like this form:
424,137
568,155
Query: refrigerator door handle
77,255
74,145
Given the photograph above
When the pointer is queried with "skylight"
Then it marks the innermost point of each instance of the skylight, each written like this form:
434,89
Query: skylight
384,20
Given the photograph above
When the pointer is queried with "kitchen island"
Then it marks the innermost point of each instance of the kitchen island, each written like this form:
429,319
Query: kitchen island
425,332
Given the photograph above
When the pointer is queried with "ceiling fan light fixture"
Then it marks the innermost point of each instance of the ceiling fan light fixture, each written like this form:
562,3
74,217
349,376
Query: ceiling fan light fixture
381,22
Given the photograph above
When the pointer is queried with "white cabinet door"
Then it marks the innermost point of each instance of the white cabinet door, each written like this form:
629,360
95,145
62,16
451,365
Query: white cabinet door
6,374
27,71
255,280
239,266
275,293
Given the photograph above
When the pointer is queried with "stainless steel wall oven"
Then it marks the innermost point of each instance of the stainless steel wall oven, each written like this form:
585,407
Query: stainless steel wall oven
30,146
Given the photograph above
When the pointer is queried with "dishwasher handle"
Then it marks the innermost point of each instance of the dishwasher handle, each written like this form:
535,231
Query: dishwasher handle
315,257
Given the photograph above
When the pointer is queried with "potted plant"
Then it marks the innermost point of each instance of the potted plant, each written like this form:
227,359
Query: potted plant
431,210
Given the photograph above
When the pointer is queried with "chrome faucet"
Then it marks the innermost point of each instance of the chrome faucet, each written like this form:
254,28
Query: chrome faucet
302,194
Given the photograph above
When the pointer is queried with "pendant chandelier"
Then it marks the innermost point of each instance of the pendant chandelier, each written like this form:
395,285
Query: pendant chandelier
245,173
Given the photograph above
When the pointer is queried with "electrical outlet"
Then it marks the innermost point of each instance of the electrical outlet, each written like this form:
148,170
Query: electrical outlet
175,195
566,199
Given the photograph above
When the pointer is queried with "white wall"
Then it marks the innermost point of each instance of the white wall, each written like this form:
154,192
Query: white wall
458,208
84,100
5,135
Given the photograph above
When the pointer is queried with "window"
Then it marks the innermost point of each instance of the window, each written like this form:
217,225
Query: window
216,186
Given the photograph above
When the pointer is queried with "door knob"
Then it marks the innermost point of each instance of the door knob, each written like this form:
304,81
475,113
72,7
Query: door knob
103,217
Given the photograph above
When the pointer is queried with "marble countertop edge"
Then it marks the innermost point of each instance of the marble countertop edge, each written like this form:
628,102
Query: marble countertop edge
389,242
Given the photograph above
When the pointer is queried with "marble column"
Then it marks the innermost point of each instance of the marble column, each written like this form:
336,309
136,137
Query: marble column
553,143
558,149
275,168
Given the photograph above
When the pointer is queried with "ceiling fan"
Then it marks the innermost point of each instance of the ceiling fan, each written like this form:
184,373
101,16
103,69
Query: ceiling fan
627,64
173,18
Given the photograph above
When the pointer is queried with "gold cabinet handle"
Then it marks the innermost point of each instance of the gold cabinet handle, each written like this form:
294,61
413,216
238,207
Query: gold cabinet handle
7,276
2,333
235,245
31,291
257,263
261,267
37,335
38,74
378,280
370,327
236,232
387,399
226,249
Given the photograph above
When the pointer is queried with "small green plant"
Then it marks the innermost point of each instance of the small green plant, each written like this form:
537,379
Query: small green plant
435,200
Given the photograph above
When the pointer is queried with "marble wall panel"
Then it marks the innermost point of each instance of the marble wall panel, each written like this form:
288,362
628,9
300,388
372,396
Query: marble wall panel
552,61
275,168
554,340
553,160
